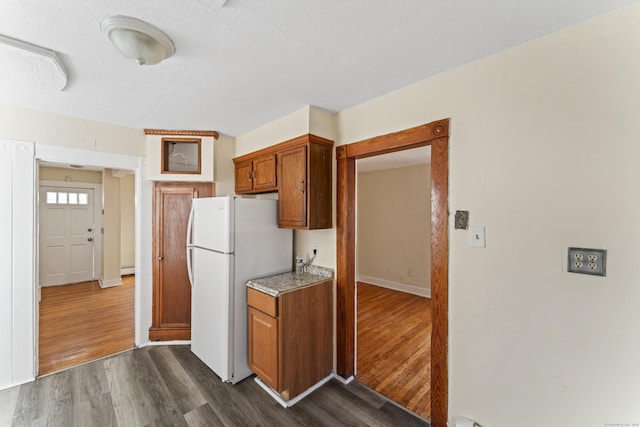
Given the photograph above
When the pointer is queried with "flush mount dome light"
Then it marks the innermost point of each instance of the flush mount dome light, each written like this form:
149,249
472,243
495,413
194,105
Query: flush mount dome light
137,40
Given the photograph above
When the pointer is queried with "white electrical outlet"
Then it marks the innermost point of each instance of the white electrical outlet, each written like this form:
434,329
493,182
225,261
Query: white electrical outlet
316,247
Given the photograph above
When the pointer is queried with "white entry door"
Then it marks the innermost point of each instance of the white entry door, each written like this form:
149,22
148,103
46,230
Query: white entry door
66,235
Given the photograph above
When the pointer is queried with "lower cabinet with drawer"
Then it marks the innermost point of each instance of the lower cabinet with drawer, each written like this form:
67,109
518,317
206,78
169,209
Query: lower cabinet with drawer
290,337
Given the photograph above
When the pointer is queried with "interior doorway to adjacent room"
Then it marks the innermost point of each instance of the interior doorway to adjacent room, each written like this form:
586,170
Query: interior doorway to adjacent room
86,259
393,239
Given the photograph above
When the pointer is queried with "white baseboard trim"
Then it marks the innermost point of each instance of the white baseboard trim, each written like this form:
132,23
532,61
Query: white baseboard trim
109,283
7,386
342,380
151,343
298,398
125,271
396,286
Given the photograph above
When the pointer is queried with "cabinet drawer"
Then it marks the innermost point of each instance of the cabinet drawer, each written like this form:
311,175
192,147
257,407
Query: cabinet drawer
263,302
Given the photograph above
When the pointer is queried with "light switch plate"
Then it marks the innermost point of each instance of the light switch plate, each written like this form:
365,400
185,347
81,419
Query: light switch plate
587,261
476,237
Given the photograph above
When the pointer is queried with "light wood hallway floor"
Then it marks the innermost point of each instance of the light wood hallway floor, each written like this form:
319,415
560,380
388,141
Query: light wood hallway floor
170,386
83,322
394,346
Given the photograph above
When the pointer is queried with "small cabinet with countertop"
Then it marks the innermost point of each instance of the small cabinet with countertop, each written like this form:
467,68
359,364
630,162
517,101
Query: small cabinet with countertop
290,331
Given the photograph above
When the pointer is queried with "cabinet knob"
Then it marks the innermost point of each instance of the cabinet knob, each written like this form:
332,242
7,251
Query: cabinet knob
249,176
160,258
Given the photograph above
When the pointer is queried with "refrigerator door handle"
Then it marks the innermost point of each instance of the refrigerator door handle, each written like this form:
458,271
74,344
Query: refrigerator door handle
189,267
189,248
189,226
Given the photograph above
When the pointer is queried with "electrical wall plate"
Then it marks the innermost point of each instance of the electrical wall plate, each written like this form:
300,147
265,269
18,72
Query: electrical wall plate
476,237
462,220
587,261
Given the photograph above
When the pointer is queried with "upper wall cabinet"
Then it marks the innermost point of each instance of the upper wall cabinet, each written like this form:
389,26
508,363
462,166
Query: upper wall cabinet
179,155
256,175
300,170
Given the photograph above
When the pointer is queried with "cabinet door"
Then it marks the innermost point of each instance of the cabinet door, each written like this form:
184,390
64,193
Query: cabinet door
263,347
244,181
292,193
171,319
264,173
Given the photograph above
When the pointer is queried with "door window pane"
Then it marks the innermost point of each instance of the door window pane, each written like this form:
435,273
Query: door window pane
52,197
73,198
62,198
83,199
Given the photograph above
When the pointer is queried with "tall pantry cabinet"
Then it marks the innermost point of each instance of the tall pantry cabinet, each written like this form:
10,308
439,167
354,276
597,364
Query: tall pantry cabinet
181,165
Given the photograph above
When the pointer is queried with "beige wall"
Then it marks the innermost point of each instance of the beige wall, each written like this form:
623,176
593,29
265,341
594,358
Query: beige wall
111,229
127,221
543,152
53,129
224,170
73,175
394,226
309,119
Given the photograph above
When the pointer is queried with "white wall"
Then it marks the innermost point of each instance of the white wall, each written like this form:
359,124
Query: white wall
544,153
17,248
64,139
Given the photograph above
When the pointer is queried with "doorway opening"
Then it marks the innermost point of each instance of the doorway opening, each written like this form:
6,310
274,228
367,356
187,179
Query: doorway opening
393,281
86,263
435,135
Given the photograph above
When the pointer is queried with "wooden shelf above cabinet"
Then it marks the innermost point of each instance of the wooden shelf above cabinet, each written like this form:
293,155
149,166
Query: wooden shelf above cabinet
300,170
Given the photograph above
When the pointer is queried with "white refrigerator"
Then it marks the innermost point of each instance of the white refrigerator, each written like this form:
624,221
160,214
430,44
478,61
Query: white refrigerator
230,240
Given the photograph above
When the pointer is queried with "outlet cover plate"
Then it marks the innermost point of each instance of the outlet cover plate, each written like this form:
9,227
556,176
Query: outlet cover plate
462,220
587,261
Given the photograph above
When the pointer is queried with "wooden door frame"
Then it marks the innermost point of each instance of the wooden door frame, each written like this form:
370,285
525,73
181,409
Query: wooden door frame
436,135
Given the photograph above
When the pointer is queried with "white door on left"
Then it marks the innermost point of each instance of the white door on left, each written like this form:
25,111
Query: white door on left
66,235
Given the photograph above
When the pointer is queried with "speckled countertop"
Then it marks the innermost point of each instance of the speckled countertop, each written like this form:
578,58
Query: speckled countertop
285,282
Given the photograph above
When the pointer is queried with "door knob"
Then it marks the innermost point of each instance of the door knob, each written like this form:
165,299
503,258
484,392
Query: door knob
89,230
90,239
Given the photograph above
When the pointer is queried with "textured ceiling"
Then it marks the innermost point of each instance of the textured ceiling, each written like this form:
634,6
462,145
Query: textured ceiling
243,63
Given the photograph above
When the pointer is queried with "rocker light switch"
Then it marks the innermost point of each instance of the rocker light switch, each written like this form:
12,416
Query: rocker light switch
476,237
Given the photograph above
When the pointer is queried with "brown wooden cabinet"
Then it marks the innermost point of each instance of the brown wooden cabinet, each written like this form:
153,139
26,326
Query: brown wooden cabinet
256,175
290,337
171,314
302,178
304,193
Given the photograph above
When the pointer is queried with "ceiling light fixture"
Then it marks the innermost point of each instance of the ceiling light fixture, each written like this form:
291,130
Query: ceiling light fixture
137,40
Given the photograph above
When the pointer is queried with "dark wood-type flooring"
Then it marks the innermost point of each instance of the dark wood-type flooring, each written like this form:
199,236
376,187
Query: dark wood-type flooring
83,322
394,346
169,386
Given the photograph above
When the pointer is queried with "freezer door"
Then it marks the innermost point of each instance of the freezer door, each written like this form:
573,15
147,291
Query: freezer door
213,224
211,329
